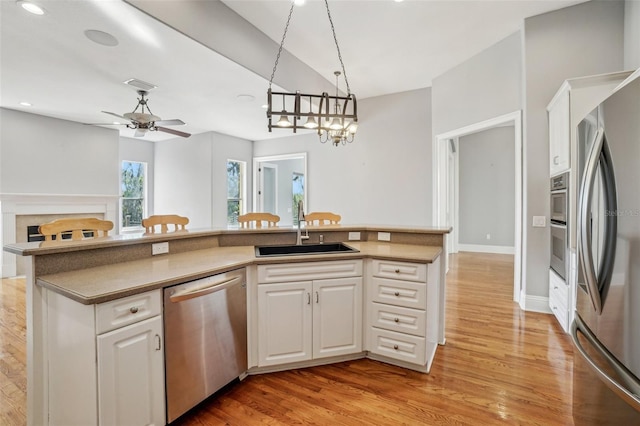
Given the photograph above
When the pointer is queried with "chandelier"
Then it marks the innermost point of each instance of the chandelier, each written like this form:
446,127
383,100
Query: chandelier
335,118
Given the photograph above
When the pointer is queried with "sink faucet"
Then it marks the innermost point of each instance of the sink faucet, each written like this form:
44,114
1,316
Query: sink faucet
301,237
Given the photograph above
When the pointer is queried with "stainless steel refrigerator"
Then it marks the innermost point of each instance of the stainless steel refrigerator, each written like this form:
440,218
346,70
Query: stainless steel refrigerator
606,330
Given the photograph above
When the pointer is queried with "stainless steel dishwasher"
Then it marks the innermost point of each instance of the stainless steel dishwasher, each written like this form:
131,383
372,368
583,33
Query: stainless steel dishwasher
205,327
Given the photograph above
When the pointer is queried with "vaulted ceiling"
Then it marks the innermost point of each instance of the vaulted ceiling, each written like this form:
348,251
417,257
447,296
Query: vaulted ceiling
387,47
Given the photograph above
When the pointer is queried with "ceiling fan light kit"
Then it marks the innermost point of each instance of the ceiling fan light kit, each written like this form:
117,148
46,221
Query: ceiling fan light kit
336,117
143,122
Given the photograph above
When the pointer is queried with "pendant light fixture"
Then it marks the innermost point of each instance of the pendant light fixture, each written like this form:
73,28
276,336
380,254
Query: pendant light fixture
336,117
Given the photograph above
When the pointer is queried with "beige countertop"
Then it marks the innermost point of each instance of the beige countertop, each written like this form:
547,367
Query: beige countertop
52,247
109,282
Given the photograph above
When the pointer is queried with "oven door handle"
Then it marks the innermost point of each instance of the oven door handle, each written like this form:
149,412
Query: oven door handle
629,390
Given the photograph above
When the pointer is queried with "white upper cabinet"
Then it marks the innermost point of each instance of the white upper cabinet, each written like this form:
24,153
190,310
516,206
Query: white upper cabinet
559,133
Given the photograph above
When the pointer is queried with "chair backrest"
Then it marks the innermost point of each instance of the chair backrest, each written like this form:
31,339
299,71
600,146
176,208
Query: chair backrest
77,226
164,220
323,218
246,220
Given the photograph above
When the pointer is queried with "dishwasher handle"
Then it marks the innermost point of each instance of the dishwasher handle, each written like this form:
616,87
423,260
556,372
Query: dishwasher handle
202,291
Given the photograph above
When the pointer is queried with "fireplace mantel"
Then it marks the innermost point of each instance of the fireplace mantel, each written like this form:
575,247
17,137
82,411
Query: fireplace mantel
15,205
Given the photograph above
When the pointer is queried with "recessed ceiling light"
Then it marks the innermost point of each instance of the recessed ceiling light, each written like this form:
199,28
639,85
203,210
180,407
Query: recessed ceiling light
299,2
101,37
26,104
246,98
31,7
265,106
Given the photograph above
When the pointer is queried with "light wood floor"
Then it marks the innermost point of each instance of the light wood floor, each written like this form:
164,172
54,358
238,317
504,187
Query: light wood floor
499,366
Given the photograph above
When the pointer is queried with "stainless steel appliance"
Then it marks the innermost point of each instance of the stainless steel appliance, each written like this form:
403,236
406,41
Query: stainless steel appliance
606,329
559,253
205,328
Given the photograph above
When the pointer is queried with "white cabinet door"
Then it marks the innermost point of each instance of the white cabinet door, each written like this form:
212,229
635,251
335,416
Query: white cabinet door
559,134
284,323
337,317
131,375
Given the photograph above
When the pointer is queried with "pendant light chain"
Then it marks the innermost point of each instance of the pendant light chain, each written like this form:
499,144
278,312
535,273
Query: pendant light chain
333,30
273,73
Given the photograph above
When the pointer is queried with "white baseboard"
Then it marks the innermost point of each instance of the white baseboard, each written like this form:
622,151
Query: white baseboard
477,248
537,304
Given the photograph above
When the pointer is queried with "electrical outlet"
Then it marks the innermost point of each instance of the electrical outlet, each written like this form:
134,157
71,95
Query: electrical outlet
539,221
384,236
159,248
354,236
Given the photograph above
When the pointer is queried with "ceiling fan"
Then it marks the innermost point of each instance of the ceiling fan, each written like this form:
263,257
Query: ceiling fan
144,122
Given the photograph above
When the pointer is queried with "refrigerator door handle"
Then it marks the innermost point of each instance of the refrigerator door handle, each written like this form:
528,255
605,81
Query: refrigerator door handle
630,390
586,193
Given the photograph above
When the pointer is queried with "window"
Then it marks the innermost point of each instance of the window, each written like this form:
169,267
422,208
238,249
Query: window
134,190
236,190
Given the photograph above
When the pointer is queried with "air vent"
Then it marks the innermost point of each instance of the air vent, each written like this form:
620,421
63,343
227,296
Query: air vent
140,84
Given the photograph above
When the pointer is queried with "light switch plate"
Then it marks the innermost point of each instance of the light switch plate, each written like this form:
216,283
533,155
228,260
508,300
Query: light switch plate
159,248
384,236
354,236
539,221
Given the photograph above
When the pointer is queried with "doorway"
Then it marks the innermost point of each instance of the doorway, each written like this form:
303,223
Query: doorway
445,192
268,188
277,180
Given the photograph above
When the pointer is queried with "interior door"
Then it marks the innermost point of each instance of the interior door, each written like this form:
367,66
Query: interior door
268,188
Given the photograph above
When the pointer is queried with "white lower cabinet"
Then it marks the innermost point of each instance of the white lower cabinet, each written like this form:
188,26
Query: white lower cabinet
403,312
309,318
131,375
106,361
558,299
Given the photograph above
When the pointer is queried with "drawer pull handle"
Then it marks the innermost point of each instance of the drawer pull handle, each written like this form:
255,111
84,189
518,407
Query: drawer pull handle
396,319
555,287
397,293
133,309
397,271
395,347
159,341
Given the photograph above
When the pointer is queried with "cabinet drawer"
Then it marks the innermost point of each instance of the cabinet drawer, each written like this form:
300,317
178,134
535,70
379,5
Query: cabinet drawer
400,346
399,293
399,270
558,288
307,271
125,311
397,318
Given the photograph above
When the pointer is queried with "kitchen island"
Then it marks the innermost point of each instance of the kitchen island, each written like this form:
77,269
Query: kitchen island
71,279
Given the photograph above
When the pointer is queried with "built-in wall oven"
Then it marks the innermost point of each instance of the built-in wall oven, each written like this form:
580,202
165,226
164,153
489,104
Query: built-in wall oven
559,214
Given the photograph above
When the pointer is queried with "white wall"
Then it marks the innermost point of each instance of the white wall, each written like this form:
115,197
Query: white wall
191,178
43,155
581,40
631,34
485,86
384,176
486,188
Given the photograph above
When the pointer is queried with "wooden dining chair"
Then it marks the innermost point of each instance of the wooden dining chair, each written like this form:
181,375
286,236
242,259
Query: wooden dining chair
77,227
322,218
164,220
256,219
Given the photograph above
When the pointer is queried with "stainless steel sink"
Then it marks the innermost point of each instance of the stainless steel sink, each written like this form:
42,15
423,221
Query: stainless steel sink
293,250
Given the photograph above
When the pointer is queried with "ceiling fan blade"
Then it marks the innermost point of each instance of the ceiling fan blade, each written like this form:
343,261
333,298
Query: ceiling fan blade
116,115
173,132
174,122
104,124
139,133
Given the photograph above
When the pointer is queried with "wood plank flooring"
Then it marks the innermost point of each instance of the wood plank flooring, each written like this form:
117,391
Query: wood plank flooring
499,366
